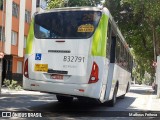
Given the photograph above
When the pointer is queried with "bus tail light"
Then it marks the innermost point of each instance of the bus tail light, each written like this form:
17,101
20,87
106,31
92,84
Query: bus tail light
26,69
94,73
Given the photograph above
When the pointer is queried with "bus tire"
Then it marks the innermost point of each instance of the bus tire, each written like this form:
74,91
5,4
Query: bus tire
127,89
112,102
64,99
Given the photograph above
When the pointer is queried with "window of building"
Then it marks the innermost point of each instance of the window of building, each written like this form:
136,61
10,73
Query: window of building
0,32
38,3
9,65
27,16
15,11
1,4
14,38
25,40
41,3
19,67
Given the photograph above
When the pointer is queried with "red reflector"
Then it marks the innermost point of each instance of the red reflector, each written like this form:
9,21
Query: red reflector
34,85
81,90
25,72
94,73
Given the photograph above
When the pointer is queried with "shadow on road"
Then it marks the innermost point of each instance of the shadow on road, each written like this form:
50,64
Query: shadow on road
81,109
51,107
14,102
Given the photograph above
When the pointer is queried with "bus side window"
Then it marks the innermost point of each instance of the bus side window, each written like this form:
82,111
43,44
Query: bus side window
118,47
127,61
108,46
113,46
121,54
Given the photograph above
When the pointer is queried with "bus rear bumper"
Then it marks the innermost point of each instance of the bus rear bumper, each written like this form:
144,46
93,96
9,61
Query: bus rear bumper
85,90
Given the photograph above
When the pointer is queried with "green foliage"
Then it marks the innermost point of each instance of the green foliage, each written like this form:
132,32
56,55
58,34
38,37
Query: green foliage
140,24
56,3
1,1
72,3
1,4
12,84
147,14
6,82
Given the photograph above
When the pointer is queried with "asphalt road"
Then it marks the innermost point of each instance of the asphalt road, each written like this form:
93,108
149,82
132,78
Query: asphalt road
140,98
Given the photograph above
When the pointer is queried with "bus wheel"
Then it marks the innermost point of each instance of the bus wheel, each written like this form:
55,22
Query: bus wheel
64,99
127,89
114,98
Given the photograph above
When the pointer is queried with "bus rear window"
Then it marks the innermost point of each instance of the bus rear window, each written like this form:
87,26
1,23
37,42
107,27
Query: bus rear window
66,24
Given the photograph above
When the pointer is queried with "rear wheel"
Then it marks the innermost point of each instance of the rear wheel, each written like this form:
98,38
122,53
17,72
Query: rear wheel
64,99
114,98
127,89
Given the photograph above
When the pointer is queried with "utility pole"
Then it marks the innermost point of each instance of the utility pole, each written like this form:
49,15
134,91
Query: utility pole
158,76
1,47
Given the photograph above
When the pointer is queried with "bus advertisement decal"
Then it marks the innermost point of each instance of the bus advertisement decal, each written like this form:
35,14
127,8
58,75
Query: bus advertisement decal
86,28
41,67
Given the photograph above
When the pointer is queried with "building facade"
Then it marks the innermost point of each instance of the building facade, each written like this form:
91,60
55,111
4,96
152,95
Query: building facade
15,18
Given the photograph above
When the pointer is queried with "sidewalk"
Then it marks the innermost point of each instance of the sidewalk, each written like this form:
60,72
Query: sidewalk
5,90
147,100
154,104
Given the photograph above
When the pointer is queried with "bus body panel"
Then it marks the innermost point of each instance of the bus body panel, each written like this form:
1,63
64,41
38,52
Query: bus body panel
121,76
74,63
64,66
92,91
68,88
78,73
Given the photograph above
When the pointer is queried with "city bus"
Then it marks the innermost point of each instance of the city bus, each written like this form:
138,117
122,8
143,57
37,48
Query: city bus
77,52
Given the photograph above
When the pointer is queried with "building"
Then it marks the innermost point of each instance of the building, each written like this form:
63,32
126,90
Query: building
15,18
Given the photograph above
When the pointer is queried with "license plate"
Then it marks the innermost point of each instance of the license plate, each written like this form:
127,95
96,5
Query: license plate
59,77
41,67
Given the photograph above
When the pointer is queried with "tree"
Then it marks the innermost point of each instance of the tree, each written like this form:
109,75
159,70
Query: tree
146,14
148,10
72,3
1,4
138,21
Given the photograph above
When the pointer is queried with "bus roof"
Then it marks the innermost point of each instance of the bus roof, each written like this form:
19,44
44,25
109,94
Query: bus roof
71,8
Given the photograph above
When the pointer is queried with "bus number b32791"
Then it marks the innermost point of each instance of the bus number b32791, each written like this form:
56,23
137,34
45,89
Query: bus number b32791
73,59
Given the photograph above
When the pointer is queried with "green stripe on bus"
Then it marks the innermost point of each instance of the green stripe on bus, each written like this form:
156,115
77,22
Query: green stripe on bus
30,38
100,38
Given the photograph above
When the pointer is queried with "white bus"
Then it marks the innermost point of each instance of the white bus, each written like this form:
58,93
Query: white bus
77,52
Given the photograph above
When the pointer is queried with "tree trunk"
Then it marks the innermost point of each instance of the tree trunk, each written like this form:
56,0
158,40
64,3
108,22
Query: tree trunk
154,43
157,44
